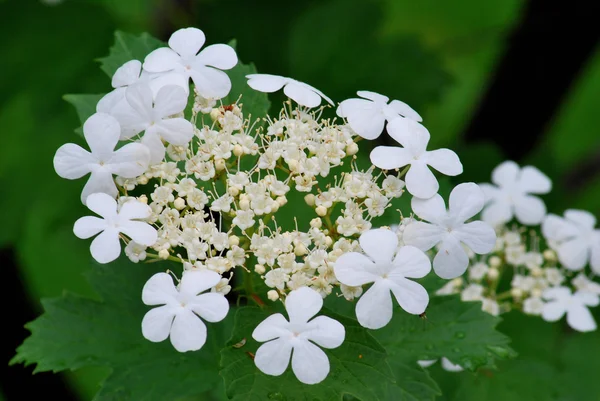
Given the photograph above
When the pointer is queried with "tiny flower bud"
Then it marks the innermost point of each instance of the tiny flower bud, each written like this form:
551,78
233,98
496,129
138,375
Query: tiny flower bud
457,282
244,203
316,223
179,203
143,199
328,241
260,269
273,295
321,211
536,293
275,207
234,240
233,191
300,250
493,274
293,165
142,180
282,200
517,293
238,150
163,254
219,164
549,255
309,199
495,261
215,114
537,271
352,149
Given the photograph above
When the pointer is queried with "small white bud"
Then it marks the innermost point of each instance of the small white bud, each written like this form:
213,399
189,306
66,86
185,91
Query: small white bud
537,271
275,207
238,150
352,149
244,203
536,293
321,211
215,114
516,293
273,295
282,200
300,250
219,164
457,282
143,199
142,180
234,240
163,254
495,261
316,223
549,255
328,241
233,191
309,199
260,269
493,274
293,165
179,203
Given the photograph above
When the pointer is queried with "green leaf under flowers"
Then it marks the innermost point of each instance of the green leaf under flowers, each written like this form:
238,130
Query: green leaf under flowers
75,332
128,47
85,105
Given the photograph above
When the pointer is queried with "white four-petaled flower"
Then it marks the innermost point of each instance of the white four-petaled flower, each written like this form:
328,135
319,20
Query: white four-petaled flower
561,301
414,138
106,247
449,230
367,116
389,269
204,68
511,195
102,133
574,238
309,363
182,307
301,93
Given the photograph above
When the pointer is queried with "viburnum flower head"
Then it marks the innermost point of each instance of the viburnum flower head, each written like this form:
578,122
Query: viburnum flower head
367,116
574,238
204,68
511,196
299,92
561,301
389,269
142,113
448,230
301,334
182,308
414,138
102,133
106,247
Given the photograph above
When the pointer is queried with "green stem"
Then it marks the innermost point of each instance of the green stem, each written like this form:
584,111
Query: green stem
155,256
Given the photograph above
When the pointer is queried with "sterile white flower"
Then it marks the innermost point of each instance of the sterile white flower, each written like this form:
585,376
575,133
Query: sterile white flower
414,137
182,308
511,195
204,68
367,116
300,334
301,93
574,239
102,133
106,247
560,300
449,230
389,269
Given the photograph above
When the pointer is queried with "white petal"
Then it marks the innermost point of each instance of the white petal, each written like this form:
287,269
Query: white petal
159,290
157,322
427,363
581,218
420,181
405,110
432,209
309,363
390,157
580,318
379,244
140,232
187,41
162,60
110,100
318,92
553,311
127,74
266,82
326,332
72,161
88,226
274,326
595,255
445,161
103,205
302,304
102,133
451,260
478,236
573,254
497,212
100,181
451,367
134,209
410,134
491,192
374,307
193,282
212,306
219,56
177,131
106,247
410,262
170,99
505,174
363,116
188,332
529,210
302,94
169,78
140,99
210,82
533,181
411,296
562,294
466,200
423,235
354,269
151,140
374,96
558,229
587,298
272,358
129,161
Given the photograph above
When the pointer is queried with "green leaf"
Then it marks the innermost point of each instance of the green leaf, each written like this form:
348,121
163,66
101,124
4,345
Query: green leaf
75,332
85,105
128,47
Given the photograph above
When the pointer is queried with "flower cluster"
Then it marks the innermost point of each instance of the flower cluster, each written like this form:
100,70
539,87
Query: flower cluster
538,270
201,184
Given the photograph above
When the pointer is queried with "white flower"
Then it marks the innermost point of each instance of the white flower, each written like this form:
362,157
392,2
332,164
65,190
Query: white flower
367,116
102,133
448,228
414,138
574,239
446,365
142,113
106,247
182,307
561,301
511,195
388,270
301,93
182,58
309,362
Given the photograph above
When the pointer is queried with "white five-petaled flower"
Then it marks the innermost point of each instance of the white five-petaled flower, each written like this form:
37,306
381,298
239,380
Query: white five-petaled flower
102,133
142,113
309,363
204,68
388,270
449,230
574,239
367,116
106,247
182,308
414,138
511,195
561,301
446,365
301,93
